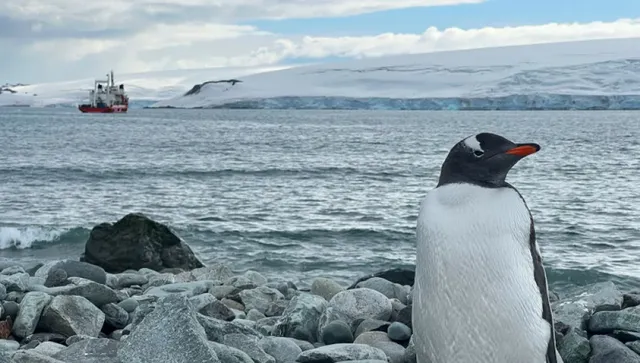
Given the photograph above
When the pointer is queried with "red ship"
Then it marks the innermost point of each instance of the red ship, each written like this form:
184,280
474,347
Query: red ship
106,97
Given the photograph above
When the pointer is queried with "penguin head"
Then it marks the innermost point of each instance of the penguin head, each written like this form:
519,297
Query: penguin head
483,159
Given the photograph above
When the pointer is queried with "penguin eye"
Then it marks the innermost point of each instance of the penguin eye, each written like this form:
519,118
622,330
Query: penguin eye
478,153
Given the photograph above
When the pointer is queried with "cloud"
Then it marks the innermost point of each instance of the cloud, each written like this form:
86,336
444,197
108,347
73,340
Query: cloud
217,45
453,38
112,13
152,35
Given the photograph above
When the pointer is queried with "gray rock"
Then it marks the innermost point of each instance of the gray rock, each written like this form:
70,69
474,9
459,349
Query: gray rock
216,309
56,277
77,338
140,313
8,345
188,289
300,318
248,323
399,332
337,332
29,313
635,346
404,316
303,345
217,329
49,348
72,269
241,283
396,308
229,354
630,300
359,303
10,308
161,279
625,336
255,315
284,350
576,307
220,292
125,279
277,307
71,315
341,352
255,277
380,340
215,272
15,296
31,356
604,322
266,326
129,305
387,288
15,283
115,316
200,301
605,349
3,292
117,334
260,298
170,333
232,304
136,242
93,350
98,294
365,361
410,353
44,337
326,288
12,270
574,348
249,345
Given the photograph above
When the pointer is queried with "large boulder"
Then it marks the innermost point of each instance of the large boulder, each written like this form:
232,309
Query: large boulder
136,242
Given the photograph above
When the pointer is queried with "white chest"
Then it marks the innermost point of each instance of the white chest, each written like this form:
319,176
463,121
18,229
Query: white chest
475,297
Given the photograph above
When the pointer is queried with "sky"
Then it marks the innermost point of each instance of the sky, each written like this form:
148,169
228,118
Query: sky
53,40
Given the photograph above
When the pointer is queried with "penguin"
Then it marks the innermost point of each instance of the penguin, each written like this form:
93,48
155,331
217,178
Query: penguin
480,293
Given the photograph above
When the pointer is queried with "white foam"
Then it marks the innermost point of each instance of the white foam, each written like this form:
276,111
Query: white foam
25,237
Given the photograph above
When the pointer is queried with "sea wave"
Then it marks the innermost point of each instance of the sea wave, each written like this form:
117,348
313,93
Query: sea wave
79,173
36,237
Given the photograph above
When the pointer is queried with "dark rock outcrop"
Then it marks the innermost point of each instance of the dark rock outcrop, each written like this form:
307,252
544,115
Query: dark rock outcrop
196,88
136,242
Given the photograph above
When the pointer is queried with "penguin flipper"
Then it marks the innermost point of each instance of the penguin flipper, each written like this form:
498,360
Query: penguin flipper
541,280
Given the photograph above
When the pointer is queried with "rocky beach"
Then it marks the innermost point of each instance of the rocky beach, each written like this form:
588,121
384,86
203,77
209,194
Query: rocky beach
139,294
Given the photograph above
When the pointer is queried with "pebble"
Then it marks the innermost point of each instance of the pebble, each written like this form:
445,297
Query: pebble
212,315
337,332
399,332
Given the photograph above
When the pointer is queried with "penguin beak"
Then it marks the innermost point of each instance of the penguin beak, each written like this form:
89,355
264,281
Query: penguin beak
523,150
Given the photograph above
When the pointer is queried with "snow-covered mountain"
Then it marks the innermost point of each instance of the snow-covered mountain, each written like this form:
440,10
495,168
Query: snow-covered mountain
597,74
143,88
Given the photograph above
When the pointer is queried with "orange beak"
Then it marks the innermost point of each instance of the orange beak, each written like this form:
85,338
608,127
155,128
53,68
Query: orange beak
524,150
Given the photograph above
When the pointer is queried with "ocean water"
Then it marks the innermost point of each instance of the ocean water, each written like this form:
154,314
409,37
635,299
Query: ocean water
300,194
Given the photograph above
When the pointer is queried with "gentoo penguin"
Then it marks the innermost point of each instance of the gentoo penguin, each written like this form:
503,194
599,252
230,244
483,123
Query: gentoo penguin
480,293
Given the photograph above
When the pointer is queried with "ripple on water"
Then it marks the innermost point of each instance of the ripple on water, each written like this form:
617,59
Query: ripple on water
301,193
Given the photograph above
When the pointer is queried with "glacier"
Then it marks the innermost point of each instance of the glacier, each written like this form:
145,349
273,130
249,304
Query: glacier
144,89
579,75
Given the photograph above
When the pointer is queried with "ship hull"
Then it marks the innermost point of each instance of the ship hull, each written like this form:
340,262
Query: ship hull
106,109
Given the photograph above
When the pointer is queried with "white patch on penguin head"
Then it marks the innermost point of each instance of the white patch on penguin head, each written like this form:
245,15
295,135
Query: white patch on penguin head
472,143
